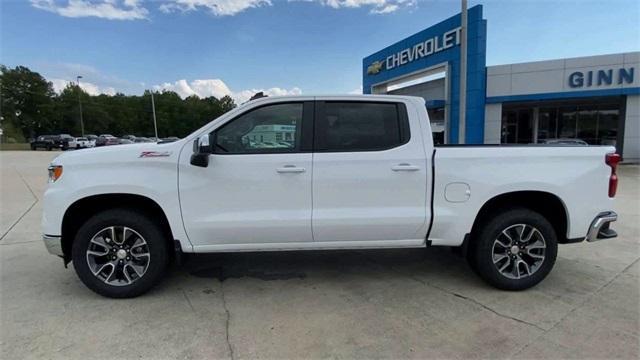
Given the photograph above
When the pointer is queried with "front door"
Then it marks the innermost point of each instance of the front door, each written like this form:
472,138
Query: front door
369,173
257,186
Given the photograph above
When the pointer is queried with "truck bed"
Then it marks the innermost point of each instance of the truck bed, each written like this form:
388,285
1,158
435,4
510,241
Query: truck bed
465,177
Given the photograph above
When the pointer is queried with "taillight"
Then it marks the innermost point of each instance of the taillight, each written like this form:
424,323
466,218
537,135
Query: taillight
612,160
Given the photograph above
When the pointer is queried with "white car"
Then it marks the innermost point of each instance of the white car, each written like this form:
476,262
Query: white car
81,143
362,173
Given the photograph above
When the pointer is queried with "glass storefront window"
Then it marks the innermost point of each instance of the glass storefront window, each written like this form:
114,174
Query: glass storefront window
509,127
567,121
436,118
517,126
525,126
608,117
593,121
547,123
587,128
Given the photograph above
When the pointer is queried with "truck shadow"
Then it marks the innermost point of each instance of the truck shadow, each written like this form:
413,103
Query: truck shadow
287,265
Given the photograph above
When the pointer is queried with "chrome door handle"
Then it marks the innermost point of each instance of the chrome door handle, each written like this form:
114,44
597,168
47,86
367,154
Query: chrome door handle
290,169
405,167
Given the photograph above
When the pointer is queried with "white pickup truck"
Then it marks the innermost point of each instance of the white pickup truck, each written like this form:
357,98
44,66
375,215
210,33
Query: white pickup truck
81,143
329,172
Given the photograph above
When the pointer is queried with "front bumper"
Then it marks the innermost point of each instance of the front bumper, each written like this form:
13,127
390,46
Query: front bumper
599,228
53,244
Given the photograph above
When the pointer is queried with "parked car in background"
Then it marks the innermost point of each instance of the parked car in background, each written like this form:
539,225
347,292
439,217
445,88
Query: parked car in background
106,139
141,139
128,137
564,141
81,143
63,141
123,141
92,137
47,142
169,139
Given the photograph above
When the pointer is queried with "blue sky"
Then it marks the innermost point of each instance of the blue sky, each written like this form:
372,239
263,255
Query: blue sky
213,47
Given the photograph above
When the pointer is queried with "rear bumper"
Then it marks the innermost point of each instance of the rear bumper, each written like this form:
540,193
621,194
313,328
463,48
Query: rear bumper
599,228
53,244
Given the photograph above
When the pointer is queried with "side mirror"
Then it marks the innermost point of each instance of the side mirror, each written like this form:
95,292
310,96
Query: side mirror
202,148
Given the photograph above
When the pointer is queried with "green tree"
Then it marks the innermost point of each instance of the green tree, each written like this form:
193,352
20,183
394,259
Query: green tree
30,107
26,101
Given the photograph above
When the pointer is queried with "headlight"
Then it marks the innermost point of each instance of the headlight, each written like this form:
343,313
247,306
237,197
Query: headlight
55,171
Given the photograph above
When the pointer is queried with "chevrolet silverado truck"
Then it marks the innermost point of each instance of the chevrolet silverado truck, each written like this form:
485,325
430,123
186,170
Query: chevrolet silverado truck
316,173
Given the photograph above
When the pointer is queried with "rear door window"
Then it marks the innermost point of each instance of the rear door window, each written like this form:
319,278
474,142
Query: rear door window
360,126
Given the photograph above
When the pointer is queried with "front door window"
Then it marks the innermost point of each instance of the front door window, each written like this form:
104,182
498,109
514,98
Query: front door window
269,129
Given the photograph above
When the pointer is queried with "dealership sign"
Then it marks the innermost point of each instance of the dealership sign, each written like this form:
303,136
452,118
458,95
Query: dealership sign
438,47
418,51
606,77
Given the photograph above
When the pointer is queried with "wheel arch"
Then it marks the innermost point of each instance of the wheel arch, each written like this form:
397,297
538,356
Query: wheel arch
546,204
83,209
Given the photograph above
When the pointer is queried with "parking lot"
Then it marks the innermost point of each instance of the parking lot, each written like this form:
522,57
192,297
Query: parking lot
343,304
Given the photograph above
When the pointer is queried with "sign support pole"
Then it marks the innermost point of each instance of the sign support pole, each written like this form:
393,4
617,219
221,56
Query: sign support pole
463,75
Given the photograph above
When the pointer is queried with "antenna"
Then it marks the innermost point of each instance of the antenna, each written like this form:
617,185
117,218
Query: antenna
258,95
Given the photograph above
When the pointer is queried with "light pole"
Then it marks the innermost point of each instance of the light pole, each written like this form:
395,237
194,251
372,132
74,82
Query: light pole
80,105
153,108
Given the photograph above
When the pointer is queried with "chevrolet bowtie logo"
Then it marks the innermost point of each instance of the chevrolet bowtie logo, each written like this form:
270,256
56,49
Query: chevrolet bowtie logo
374,68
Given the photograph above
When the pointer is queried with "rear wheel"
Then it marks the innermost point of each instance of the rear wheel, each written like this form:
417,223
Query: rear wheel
48,147
515,249
120,253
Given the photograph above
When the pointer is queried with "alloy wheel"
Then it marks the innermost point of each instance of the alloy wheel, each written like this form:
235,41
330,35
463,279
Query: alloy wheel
519,251
118,255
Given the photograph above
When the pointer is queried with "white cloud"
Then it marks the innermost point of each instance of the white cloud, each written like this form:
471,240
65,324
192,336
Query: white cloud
216,87
103,83
385,9
376,6
105,9
89,88
216,7
245,95
134,9
97,84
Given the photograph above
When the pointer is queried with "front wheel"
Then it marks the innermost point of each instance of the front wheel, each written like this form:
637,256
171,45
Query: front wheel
515,249
120,253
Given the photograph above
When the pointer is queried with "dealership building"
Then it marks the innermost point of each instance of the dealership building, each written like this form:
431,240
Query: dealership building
594,98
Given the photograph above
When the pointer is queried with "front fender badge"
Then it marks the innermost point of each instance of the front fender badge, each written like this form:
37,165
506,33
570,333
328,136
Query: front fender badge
154,154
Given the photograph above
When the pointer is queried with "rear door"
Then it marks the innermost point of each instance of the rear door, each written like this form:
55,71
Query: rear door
369,173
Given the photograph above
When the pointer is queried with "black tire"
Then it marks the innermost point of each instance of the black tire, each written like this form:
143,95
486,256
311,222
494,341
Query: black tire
139,222
48,147
33,147
481,252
